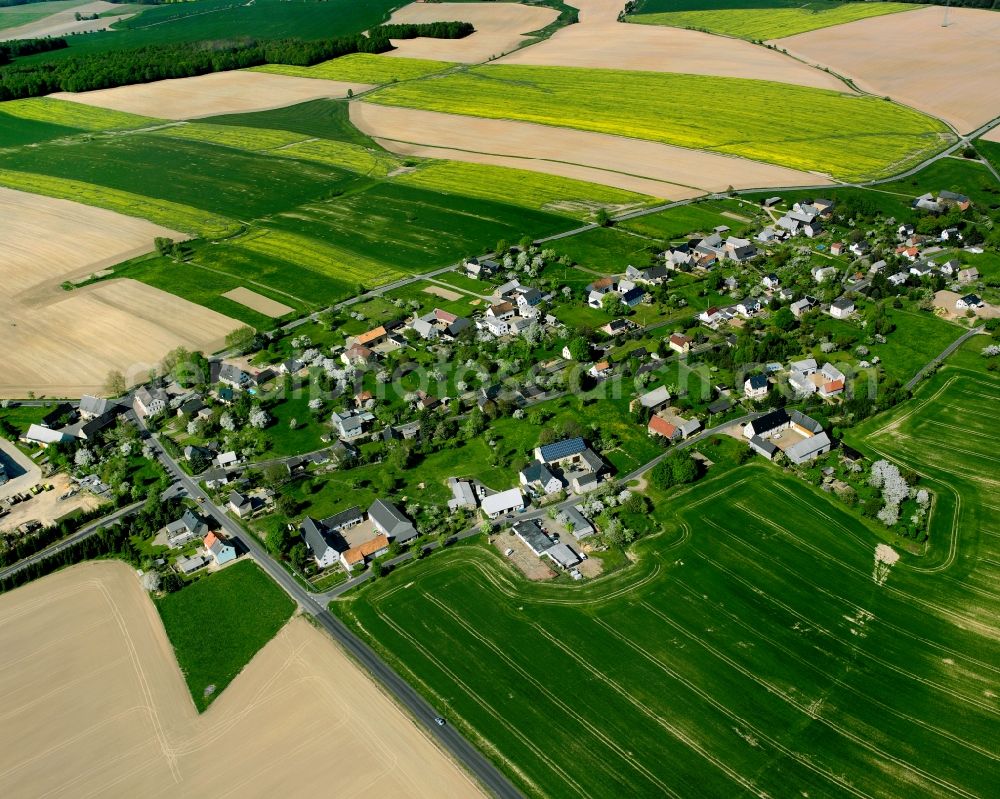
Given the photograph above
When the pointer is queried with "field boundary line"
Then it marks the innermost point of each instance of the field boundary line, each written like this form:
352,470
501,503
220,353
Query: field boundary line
826,722
600,736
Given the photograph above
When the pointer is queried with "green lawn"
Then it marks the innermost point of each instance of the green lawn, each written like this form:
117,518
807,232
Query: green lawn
919,337
747,652
849,137
606,250
218,624
676,223
763,19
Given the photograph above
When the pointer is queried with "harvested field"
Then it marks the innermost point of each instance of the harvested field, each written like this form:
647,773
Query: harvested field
47,241
952,73
447,294
616,45
63,21
643,166
257,302
209,95
95,705
66,343
500,28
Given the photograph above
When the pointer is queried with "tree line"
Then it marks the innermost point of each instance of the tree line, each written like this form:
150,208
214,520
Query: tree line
430,30
19,47
104,70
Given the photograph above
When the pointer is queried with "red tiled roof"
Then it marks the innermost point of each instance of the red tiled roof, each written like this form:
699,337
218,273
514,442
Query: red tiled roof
359,553
371,335
661,426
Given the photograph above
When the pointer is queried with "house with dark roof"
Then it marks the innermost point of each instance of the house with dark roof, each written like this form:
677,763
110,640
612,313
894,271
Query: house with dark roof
537,475
531,533
756,387
968,302
560,450
185,529
239,504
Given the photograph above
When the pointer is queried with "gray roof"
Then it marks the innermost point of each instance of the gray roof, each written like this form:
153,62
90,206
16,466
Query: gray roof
531,533
808,448
810,424
313,534
564,555
842,303
388,517
352,515
577,522
655,397
763,445
94,406
757,381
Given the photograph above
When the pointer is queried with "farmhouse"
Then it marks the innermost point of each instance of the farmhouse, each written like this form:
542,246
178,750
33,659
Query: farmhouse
497,505
372,338
231,375
150,402
654,400
658,426
654,275
537,475
800,437
581,467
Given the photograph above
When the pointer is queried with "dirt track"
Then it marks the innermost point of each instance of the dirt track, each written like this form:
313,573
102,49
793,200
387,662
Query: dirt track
63,343
213,94
93,704
950,72
500,27
648,167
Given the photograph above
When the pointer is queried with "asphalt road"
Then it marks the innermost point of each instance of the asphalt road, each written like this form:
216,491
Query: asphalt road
447,736
79,535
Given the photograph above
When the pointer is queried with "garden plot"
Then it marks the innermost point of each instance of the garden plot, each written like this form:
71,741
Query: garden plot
213,94
95,705
500,28
950,72
668,172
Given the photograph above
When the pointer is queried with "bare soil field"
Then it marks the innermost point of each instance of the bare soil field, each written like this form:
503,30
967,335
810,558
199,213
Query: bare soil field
209,95
65,345
64,22
944,305
949,72
62,343
441,291
94,704
46,507
643,166
500,28
993,135
257,302
649,48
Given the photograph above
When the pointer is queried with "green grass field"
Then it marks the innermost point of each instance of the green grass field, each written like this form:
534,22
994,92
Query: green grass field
15,16
748,652
42,119
220,622
845,136
323,119
362,68
763,19
559,195
606,250
990,150
208,20
678,222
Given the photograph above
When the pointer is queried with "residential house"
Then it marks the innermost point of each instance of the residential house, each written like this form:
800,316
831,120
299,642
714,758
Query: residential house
739,250
240,505
658,426
802,306
560,450
756,387
653,400
951,234
323,552
357,355
597,290
537,475
654,275
680,343
185,529
232,376
841,308
92,407
860,248
821,273
617,326
149,402
388,519
351,424
225,460
806,366
969,275
951,267
221,551
190,565
766,235
688,427
837,248
748,307
600,370
771,281
921,269
633,296
480,268
290,366
968,302
502,503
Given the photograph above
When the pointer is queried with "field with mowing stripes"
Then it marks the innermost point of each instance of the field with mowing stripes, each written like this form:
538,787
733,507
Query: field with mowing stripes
770,19
845,136
43,119
362,68
748,652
